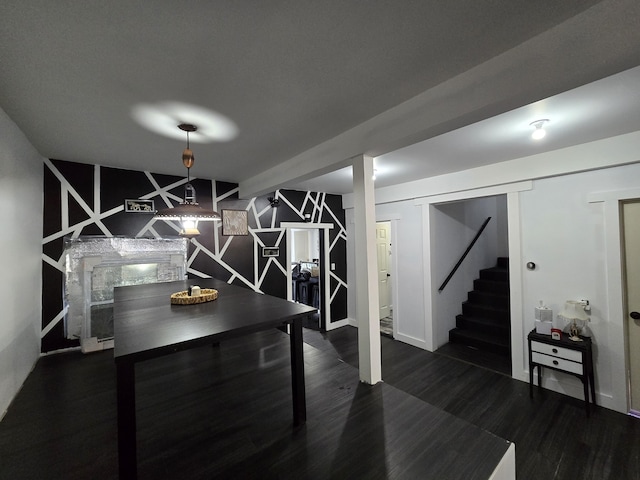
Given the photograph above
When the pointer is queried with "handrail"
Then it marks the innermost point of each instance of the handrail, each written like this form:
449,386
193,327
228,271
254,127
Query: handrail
464,255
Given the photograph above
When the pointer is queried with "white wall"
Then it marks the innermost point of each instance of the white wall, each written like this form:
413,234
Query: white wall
555,223
21,196
407,276
564,234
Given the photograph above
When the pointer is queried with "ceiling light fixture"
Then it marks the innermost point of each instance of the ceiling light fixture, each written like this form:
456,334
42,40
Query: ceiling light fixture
539,132
188,213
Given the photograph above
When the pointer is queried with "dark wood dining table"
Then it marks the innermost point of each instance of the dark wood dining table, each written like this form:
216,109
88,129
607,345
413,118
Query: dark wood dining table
147,326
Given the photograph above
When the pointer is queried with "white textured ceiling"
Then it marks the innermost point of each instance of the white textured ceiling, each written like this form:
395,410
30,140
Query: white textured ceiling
293,75
602,109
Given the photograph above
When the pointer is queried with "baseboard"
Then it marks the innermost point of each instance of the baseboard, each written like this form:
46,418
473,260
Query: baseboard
339,323
574,390
92,344
413,341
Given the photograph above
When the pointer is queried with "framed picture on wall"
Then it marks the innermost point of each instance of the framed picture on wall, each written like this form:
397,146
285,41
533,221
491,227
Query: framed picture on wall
270,251
139,206
234,222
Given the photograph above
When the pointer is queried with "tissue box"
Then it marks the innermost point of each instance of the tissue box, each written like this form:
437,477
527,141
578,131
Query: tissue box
544,314
543,327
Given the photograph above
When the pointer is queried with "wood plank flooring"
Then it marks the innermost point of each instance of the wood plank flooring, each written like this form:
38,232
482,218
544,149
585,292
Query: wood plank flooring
226,418
225,412
553,438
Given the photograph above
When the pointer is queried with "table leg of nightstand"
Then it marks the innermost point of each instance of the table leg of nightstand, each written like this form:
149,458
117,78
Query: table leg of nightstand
585,383
531,368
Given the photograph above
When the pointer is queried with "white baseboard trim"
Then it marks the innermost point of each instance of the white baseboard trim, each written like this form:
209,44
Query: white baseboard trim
413,341
92,344
337,324
574,390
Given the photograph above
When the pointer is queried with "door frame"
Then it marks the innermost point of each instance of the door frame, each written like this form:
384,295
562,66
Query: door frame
615,309
393,240
518,336
389,279
626,309
325,301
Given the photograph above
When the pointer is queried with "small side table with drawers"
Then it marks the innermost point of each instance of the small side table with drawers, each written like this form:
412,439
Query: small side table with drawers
564,355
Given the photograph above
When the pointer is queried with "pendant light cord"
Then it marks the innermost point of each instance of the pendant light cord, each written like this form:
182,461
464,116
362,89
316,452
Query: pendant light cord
188,169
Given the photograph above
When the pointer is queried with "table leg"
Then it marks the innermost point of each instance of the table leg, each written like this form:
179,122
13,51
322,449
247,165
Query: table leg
531,368
585,384
126,398
297,373
593,386
539,376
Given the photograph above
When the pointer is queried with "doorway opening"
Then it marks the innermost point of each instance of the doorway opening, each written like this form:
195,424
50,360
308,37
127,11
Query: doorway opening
470,268
304,255
308,250
383,251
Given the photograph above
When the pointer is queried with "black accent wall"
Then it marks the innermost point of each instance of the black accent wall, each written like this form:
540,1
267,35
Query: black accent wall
82,199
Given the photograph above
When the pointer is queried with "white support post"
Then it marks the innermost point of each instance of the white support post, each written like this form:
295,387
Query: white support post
366,262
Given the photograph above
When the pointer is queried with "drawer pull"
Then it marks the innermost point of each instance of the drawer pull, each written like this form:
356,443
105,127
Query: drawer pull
555,362
555,350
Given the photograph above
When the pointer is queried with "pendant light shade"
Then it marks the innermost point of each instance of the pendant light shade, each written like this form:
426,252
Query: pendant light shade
188,213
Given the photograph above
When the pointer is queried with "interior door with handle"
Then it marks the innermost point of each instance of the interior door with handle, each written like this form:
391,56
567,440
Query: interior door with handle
631,235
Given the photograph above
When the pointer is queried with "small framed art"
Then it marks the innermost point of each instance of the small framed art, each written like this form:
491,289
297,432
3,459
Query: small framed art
270,251
234,222
139,206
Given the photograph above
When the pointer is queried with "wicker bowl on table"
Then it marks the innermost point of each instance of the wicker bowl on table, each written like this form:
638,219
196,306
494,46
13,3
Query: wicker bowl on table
183,298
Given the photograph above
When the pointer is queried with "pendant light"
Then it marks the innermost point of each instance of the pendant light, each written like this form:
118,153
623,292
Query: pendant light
188,213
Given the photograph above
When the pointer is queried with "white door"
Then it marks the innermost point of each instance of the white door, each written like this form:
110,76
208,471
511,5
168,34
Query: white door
382,246
631,223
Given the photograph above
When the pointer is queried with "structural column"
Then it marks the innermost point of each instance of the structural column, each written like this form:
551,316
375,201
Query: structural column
366,261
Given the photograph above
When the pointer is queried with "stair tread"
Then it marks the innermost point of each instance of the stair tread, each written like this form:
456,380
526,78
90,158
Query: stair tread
493,281
487,307
491,293
485,337
491,286
493,322
496,268
484,323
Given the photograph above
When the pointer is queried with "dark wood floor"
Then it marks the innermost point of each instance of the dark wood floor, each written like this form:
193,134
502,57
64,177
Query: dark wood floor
225,412
553,438
229,419
492,361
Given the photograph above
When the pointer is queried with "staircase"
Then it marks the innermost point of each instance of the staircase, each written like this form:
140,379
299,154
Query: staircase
485,320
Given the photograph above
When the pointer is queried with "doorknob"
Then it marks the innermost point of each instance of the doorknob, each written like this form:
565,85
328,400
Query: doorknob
635,315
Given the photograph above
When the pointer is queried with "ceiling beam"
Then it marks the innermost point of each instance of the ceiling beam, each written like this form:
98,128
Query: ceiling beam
598,43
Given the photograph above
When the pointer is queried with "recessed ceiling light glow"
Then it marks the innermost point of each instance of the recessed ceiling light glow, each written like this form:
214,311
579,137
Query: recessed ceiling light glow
162,118
539,132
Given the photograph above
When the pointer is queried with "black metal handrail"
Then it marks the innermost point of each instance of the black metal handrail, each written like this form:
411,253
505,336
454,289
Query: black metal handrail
464,255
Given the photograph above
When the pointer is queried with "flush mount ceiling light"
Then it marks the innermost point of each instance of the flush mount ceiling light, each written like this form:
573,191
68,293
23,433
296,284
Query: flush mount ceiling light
188,213
162,117
539,132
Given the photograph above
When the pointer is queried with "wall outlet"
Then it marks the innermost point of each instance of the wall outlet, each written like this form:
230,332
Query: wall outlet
333,266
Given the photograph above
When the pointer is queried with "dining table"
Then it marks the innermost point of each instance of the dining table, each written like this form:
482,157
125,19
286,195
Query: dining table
148,325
